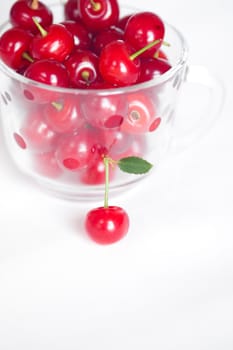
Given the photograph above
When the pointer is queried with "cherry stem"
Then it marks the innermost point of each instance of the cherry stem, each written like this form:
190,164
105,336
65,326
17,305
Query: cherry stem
95,5
42,31
34,5
106,190
85,75
57,105
27,57
145,48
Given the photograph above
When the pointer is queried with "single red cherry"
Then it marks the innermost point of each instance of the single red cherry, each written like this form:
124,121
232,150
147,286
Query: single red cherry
23,11
83,68
64,115
14,46
152,67
104,37
37,134
107,225
71,10
141,113
55,43
98,14
81,36
143,28
117,64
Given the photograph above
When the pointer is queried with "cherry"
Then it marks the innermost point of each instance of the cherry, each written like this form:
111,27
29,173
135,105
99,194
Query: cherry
48,72
76,151
123,21
104,37
37,133
81,36
152,67
71,10
104,111
98,14
23,11
14,45
82,66
56,43
141,114
46,164
116,64
143,28
63,115
107,225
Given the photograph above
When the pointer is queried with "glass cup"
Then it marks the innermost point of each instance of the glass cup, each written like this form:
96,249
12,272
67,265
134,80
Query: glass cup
65,158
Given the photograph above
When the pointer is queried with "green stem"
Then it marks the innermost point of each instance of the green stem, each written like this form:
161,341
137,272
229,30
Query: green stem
145,48
106,190
96,6
42,31
27,57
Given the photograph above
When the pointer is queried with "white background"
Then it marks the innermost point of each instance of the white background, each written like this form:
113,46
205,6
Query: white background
169,283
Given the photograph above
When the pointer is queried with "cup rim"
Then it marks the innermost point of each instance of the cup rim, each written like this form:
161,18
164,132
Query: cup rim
114,90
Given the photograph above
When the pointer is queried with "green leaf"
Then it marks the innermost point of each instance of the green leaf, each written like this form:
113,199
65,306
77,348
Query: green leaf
134,165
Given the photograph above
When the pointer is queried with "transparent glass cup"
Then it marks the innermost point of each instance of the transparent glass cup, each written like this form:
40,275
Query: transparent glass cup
139,120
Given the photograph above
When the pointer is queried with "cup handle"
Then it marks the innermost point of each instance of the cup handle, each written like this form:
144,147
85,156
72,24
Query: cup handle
199,106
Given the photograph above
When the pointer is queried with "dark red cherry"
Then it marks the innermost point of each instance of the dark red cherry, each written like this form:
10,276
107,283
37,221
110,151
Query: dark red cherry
71,10
116,64
23,11
83,69
14,45
152,67
143,28
81,36
56,43
98,14
104,37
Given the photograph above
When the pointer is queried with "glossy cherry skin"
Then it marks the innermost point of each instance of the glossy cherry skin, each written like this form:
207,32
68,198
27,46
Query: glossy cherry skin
64,115
81,36
57,44
22,12
152,67
107,225
116,65
71,10
98,14
143,28
37,134
14,43
123,21
76,151
83,68
141,114
48,72
104,37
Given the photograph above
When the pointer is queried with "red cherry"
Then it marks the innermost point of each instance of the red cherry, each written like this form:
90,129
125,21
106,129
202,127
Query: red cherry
123,21
56,43
48,72
152,67
37,133
81,36
76,151
107,225
64,115
105,112
104,37
71,10
143,28
98,14
116,64
23,11
141,114
14,45
83,70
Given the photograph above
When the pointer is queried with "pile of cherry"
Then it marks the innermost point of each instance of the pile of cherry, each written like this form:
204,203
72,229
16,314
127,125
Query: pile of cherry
78,133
